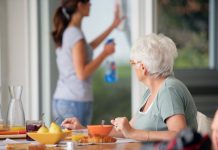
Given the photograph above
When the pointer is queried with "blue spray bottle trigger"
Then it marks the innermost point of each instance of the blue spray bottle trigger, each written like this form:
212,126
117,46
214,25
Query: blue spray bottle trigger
109,41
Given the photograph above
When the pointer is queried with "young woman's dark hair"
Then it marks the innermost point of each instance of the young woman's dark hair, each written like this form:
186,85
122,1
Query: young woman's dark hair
62,18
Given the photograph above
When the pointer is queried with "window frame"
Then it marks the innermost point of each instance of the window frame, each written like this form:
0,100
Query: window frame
213,36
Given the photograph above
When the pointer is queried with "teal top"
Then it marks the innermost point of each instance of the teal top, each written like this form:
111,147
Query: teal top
172,98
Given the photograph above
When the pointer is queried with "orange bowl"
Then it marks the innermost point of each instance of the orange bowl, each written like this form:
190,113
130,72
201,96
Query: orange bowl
102,130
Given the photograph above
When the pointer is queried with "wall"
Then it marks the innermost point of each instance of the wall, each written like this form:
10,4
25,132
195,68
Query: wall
3,47
19,63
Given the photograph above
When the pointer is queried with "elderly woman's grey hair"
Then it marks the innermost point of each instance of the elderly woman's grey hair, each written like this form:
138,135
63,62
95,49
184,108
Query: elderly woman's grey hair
156,52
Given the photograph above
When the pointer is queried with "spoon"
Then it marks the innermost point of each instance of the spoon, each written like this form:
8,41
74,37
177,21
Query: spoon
56,119
42,116
102,122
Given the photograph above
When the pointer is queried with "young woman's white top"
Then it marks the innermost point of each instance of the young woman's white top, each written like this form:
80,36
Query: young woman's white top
69,87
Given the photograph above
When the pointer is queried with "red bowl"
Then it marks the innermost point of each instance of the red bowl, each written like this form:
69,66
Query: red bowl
102,130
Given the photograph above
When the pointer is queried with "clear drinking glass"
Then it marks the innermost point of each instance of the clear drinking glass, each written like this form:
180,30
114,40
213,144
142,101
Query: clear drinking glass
78,134
15,114
31,126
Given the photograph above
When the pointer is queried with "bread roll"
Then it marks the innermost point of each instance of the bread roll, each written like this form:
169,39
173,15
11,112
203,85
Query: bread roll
97,139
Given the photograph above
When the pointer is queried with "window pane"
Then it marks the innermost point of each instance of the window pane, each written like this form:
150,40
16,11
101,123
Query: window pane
187,23
110,99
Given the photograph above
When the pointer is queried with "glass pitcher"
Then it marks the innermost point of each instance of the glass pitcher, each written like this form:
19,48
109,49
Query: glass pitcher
15,114
1,120
2,127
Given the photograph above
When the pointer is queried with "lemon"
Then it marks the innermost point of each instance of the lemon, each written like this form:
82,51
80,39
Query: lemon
43,129
55,128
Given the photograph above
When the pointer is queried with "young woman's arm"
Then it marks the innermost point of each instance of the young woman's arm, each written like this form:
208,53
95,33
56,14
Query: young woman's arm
84,70
117,20
95,43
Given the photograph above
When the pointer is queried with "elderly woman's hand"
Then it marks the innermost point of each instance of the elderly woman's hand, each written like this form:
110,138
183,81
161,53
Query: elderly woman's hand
122,124
72,123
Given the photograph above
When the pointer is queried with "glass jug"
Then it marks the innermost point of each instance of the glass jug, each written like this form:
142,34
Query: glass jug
15,114
1,119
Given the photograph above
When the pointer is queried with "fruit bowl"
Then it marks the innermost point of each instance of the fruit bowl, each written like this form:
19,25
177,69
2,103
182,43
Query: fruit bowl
102,130
48,138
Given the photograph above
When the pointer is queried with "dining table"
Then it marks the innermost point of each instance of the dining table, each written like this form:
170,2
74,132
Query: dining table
122,144
114,146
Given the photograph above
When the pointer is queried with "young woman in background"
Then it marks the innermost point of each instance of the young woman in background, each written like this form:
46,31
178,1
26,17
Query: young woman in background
73,96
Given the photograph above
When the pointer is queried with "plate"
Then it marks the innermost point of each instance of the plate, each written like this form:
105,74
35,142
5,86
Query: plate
13,136
83,144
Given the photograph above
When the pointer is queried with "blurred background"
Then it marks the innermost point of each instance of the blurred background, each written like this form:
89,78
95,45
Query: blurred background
27,52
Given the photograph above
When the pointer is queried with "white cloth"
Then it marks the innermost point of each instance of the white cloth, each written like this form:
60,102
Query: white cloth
204,123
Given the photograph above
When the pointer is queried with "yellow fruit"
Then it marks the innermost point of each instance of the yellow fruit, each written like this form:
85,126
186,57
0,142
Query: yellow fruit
43,129
54,128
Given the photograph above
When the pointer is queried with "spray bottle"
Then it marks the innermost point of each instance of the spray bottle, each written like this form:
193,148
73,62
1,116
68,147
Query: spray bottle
110,75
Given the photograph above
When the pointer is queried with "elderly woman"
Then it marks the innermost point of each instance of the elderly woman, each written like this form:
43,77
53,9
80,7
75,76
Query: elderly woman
167,106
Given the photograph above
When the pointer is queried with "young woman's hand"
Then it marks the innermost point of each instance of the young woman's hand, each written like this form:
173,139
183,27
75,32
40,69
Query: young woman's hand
72,123
117,18
109,49
122,124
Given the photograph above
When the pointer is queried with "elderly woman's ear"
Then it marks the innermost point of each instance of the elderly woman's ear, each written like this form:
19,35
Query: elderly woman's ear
143,69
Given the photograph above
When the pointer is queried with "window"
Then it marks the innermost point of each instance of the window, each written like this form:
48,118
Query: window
187,23
110,99
192,25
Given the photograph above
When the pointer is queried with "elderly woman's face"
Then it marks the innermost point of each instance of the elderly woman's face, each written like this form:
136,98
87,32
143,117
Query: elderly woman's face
137,67
214,128
135,64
